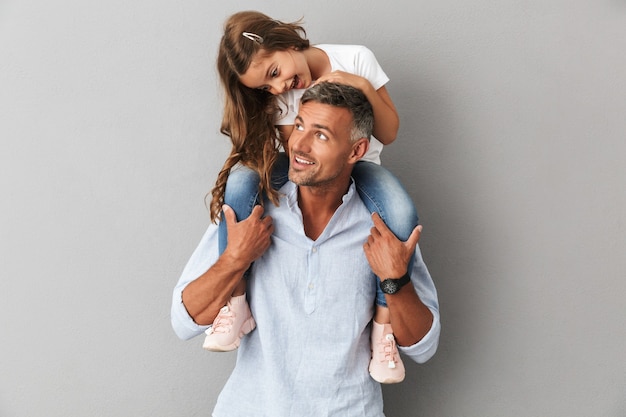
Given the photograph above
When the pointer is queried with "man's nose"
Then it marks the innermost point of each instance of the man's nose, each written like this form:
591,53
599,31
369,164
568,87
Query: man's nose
300,142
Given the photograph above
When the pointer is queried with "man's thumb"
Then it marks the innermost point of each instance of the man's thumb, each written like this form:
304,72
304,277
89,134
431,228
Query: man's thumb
414,237
229,214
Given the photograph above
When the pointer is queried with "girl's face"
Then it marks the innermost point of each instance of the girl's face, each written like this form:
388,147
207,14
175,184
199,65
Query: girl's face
278,72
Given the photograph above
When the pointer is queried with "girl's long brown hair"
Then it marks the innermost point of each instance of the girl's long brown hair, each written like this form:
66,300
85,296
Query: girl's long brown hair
249,114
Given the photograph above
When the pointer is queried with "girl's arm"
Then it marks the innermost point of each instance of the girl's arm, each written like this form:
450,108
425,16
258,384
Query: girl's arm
386,121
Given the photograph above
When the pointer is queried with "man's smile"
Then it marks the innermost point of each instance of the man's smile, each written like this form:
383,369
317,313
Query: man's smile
302,161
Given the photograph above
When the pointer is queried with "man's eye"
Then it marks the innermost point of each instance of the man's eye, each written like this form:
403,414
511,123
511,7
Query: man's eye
322,136
299,127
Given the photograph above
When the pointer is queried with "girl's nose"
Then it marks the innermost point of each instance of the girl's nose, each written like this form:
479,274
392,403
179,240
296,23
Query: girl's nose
278,87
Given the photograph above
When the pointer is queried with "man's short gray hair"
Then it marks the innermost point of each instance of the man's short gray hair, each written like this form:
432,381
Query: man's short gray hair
347,97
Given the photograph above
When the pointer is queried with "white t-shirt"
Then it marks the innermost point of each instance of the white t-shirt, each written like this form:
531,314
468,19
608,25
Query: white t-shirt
354,59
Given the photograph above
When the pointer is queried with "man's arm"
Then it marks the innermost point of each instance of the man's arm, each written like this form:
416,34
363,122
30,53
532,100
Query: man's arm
389,257
247,241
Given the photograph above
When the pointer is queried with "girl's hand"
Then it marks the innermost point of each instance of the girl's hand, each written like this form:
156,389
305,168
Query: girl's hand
386,122
341,77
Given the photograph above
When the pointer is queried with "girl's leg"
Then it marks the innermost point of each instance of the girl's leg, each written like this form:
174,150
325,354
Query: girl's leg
241,194
383,193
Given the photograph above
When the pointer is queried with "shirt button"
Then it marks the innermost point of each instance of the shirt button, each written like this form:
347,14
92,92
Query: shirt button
314,250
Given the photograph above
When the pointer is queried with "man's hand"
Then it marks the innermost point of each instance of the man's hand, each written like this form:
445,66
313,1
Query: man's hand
389,258
249,238
387,255
247,241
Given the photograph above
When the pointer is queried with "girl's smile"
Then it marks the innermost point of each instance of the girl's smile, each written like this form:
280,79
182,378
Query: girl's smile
278,72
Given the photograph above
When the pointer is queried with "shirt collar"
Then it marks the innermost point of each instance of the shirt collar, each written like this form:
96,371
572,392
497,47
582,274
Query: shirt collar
290,192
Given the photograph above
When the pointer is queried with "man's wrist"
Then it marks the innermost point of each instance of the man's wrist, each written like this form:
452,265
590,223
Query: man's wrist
234,263
393,285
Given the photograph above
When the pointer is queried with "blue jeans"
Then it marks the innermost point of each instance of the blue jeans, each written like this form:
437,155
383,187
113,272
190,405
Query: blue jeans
383,193
242,191
379,189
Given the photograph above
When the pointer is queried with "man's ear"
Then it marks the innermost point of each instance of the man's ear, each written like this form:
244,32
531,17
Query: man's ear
359,149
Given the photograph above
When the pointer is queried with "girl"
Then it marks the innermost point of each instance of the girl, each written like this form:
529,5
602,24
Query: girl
264,66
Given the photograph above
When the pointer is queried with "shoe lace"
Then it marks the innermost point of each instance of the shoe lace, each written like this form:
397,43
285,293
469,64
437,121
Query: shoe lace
389,350
224,320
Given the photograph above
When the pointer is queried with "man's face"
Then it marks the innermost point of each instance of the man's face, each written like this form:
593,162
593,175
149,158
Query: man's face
320,146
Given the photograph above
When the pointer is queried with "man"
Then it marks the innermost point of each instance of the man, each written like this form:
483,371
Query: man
311,288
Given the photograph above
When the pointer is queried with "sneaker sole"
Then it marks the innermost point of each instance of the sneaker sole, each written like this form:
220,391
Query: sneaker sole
246,328
388,380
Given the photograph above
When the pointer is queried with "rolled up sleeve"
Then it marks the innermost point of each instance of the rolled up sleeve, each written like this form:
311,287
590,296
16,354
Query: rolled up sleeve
201,260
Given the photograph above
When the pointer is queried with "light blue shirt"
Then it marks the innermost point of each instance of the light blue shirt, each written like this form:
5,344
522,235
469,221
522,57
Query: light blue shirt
313,302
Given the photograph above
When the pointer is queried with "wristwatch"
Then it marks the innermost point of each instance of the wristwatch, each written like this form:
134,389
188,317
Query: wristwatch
392,286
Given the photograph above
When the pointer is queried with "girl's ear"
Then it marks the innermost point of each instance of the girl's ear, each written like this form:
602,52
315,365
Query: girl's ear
359,149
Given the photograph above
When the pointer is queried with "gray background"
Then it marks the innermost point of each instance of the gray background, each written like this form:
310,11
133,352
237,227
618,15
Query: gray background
511,144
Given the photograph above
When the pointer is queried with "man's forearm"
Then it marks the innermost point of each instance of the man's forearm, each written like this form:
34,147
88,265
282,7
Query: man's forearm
247,241
411,319
204,296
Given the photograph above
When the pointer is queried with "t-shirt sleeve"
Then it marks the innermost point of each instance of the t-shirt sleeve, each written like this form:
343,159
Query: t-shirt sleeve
366,65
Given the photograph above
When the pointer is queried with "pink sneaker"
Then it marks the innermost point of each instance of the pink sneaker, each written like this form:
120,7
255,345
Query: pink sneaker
232,322
386,366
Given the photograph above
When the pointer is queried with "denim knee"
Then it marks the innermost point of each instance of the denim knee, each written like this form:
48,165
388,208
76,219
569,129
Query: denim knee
384,194
241,194
242,190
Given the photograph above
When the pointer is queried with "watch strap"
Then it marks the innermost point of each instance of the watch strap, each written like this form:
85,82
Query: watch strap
393,285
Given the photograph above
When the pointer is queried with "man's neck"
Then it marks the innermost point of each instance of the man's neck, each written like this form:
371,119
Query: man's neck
318,205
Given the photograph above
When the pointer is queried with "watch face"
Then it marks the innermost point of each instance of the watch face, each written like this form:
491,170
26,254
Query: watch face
389,286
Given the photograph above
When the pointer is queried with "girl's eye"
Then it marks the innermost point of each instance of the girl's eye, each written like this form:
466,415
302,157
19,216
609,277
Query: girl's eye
274,73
